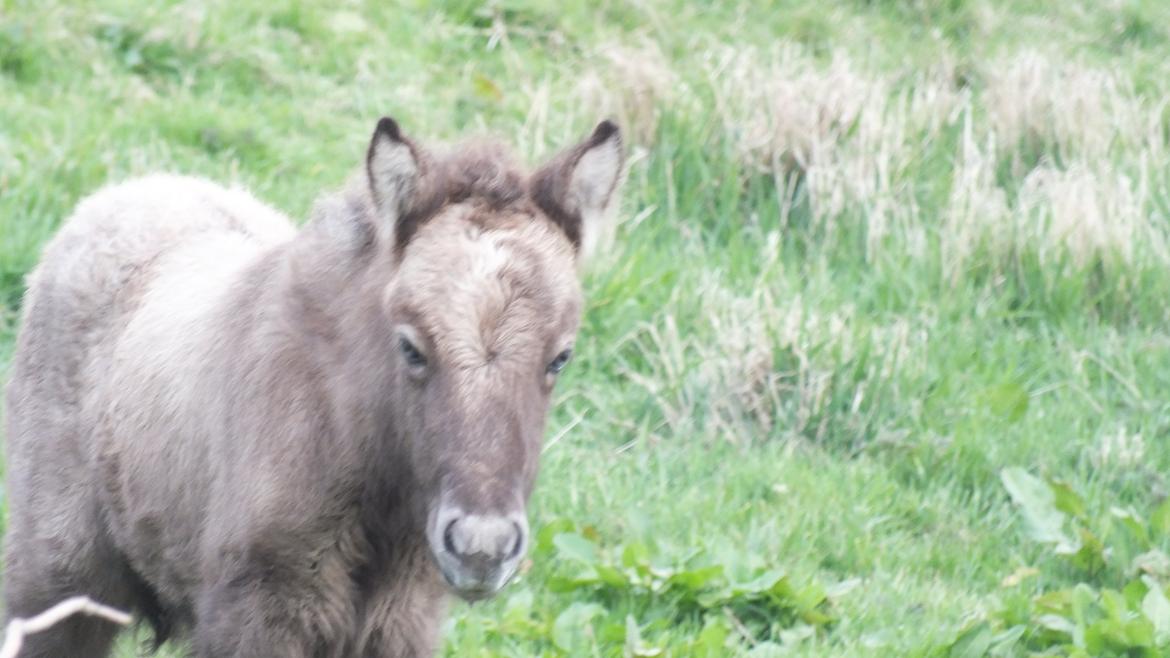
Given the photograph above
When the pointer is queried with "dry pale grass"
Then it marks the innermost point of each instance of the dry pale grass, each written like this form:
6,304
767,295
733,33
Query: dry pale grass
1089,213
848,142
771,359
977,215
1119,448
847,137
632,83
1034,101
851,142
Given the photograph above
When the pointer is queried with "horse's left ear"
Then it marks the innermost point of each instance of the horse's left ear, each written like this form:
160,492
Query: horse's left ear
578,187
392,169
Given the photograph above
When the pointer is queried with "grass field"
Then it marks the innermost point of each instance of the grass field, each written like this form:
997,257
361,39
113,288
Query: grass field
878,365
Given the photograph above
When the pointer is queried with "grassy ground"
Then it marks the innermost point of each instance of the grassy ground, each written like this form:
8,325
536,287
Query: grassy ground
872,254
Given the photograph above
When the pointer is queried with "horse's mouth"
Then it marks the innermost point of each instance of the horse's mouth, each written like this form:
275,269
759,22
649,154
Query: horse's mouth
475,594
469,593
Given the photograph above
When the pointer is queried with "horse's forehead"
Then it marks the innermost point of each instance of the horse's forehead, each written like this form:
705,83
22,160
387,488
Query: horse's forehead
457,250
490,285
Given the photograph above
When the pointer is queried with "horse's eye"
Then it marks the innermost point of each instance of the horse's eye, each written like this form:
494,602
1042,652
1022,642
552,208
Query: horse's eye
414,358
558,364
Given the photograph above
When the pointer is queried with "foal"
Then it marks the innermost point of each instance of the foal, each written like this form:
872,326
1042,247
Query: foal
293,443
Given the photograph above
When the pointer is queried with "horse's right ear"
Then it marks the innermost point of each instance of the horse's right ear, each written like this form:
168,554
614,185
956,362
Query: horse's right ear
577,188
392,167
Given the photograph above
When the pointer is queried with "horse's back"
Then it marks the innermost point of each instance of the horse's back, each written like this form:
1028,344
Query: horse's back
95,273
115,234
134,261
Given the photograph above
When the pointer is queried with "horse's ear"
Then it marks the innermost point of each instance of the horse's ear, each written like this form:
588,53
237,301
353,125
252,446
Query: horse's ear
577,188
392,168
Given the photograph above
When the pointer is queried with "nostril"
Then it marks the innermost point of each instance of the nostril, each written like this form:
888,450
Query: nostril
517,543
448,538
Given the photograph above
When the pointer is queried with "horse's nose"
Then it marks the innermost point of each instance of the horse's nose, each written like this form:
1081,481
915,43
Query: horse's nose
486,540
480,552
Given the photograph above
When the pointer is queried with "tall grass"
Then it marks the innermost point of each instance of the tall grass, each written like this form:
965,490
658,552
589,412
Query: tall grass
870,254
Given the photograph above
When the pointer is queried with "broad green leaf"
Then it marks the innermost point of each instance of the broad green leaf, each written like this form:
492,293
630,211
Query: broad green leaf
714,598
1119,634
1038,503
973,642
547,533
808,597
518,609
572,630
797,634
694,580
1067,500
1134,524
1008,400
611,576
1153,562
634,645
1059,601
1058,624
1114,605
1090,553
586,578
764,582
609,632
1009,638
1134,592
635,555
571,546
1157,609
815,617
712,640
1160,519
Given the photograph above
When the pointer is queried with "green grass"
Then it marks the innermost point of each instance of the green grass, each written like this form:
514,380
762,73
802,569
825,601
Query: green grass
873,253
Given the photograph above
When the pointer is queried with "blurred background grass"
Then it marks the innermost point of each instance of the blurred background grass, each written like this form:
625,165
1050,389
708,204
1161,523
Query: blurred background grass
872,252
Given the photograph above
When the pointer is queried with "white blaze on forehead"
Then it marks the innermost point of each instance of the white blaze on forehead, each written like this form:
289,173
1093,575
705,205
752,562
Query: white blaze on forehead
482,295
488,254
469,285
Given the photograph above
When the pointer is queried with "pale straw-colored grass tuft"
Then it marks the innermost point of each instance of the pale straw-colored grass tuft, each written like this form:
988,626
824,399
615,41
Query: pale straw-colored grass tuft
1119,448
848,137
1088,214
632,84
769,360
977,214
1034,101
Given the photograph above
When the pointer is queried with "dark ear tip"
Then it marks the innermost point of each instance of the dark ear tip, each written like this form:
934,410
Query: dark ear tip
389,128
603,132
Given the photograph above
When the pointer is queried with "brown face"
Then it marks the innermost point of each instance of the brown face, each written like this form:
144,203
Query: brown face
484,304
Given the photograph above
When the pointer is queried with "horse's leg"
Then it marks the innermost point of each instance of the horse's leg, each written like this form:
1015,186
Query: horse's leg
267,606
404,613
40,575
